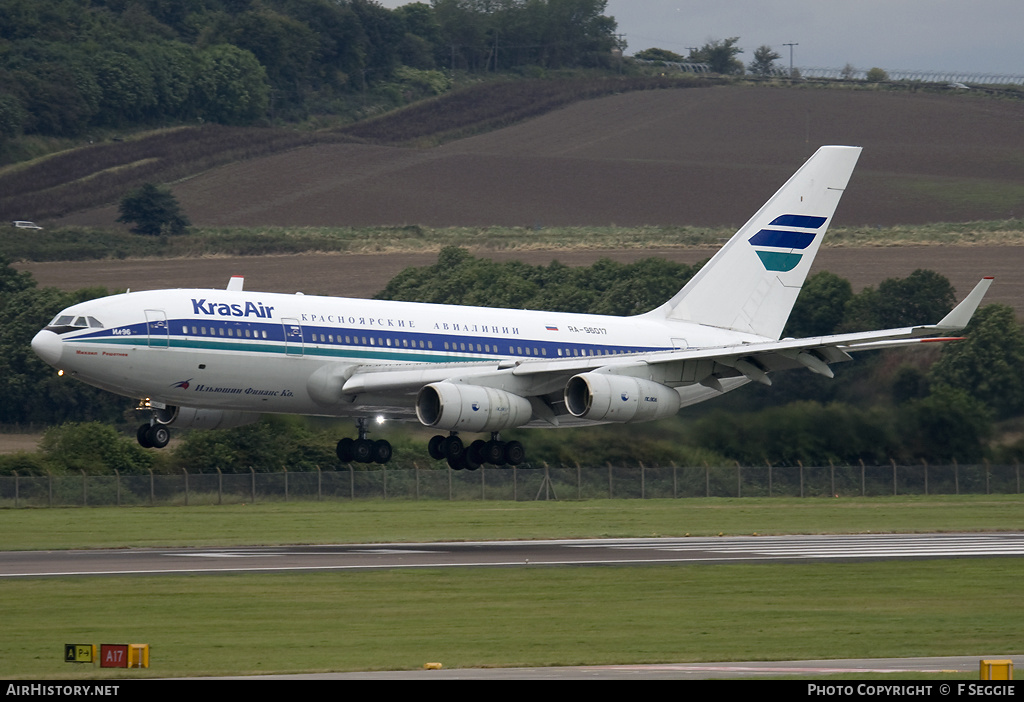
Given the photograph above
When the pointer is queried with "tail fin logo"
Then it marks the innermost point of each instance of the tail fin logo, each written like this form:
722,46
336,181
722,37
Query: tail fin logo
776,247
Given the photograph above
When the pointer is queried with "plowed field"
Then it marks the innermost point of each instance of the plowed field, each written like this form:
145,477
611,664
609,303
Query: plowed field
701,157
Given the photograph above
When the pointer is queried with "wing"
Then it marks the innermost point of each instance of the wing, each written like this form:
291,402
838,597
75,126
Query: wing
693,374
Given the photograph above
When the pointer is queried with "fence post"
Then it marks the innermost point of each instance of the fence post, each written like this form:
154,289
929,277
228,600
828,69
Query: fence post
769,463
184,472
893,461
923,461
988,477
285,469
319,484
611,492
49,482
800,463
832,473
85,490
956,476
416,478
220,486
707,480
152,488
483,484
351,483
252,478
643,481
863,487
384,473
579,482
739,480
15,489
117,481
675,481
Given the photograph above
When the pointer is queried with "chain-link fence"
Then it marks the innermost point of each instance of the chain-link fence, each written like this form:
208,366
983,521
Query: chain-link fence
517,484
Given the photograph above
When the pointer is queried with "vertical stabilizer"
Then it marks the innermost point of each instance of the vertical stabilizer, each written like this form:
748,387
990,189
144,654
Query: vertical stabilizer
750,285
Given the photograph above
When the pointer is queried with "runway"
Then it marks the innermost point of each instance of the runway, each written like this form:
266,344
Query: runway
809,669
618,552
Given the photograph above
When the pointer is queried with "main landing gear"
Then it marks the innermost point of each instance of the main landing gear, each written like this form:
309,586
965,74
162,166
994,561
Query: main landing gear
495,452
363,450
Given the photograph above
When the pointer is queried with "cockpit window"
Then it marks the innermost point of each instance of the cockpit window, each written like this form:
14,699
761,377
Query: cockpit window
68,322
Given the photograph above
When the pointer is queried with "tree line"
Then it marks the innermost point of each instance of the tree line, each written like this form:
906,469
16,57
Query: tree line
930,403
69,66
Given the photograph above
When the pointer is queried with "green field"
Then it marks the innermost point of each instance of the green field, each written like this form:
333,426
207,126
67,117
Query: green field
498,617
377,521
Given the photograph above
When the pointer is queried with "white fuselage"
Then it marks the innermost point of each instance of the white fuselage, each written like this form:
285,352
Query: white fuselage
268,352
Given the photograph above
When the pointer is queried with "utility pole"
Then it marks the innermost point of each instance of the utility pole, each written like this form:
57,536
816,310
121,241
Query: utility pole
791,45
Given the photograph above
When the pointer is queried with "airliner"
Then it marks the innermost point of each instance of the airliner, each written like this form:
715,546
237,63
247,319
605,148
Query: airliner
222,358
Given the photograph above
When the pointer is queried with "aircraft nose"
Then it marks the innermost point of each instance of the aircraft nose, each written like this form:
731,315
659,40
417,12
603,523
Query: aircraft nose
48,347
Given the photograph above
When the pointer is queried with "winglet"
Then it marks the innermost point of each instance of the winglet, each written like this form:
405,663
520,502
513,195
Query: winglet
962,313
236,283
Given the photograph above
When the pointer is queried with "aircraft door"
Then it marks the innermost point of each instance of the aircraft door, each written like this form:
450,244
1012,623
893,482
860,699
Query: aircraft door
292,337
158,331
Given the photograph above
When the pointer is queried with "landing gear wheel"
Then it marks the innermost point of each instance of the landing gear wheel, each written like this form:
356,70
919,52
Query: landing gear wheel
381,451
436,447
362,451
346,450
494,452
452,447
142,435
157,436
514,453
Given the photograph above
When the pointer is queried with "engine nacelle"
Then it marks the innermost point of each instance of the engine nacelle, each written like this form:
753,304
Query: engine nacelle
603,397
470,408
192,418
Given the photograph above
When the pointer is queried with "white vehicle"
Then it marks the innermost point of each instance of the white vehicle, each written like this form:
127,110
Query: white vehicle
24,224
221,358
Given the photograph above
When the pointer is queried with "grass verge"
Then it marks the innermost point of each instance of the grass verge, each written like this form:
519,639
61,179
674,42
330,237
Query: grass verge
376,521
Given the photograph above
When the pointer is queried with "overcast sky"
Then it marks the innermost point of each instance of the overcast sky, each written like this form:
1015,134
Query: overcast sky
970,36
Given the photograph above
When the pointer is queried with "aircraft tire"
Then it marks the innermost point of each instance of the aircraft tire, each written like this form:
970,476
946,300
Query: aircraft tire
436,447
158,436
514,453
452,447
142,435
345,450
362,451
494,452
381,451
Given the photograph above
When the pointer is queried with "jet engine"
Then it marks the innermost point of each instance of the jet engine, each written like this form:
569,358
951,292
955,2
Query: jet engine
458,407
603,397
192,418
